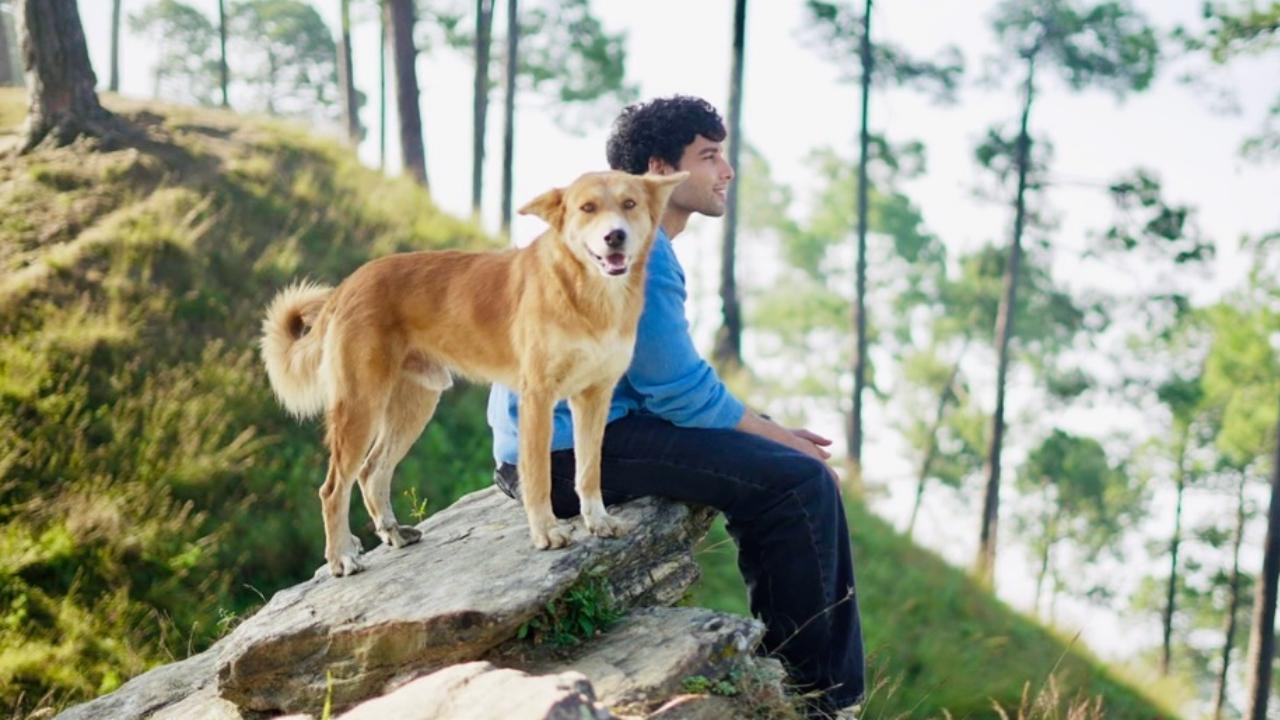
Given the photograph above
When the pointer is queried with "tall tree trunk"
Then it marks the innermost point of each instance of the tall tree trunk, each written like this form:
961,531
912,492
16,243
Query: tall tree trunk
223,75
931,453
1044,570
1050,537
509,122
114,84
1054,585
480,101
1233,600
384,30
273,71
1262,638
860,281
9,72
728,345
1004,331
400,19
346,80
1171,593
63,103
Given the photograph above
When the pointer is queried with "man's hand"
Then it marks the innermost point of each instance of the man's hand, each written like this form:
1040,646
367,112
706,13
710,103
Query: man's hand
818,442
801,440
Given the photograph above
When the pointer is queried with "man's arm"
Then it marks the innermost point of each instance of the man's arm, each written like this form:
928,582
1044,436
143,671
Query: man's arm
673,380
677,383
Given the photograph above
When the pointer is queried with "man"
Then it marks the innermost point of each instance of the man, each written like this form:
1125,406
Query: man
675,431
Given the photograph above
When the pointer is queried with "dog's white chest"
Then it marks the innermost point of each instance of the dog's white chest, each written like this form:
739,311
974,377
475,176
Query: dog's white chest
588,361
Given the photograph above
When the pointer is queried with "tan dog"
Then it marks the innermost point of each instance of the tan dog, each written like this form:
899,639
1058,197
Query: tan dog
554,320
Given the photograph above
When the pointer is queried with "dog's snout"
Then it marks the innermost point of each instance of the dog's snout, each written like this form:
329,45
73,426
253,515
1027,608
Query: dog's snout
615,238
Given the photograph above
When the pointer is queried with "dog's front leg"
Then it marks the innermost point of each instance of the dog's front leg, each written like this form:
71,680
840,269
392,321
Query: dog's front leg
590,414
536,408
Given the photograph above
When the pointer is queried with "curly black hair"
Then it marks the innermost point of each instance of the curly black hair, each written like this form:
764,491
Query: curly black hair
661,128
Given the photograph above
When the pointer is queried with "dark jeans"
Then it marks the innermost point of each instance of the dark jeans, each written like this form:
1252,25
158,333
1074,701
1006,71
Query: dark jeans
781,507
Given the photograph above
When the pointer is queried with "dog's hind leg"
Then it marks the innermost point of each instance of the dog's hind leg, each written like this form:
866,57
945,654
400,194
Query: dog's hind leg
408,411
340,547
590,413
372,463
351,429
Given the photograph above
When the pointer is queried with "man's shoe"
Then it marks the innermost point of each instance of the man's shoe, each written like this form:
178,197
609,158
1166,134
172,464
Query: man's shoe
507,480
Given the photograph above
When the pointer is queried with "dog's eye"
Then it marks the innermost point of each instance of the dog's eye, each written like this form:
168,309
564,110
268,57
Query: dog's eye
588,207
628,204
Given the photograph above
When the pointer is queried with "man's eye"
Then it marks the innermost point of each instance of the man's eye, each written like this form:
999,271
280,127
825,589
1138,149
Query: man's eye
628,204
588,207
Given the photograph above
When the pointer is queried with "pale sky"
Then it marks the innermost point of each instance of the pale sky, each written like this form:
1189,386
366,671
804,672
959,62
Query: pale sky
794,104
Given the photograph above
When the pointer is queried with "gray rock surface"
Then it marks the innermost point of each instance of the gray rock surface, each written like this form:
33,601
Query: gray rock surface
151,692
647,657
696,707
204,704
451,599
480,691
466,587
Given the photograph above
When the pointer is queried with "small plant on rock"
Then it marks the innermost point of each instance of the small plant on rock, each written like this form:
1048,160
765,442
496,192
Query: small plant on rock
703,685
585,610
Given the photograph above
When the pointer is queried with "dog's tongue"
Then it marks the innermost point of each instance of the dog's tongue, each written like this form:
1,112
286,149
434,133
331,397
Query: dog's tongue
616,261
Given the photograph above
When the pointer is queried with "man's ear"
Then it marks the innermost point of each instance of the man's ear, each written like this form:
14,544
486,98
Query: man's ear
660,189
658,166
549,206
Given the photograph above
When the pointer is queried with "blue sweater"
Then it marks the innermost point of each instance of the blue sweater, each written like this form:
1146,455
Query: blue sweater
667,377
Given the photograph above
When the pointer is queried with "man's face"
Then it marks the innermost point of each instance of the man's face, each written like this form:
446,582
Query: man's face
706,190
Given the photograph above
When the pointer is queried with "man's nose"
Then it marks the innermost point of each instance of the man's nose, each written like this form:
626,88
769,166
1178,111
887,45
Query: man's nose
615,238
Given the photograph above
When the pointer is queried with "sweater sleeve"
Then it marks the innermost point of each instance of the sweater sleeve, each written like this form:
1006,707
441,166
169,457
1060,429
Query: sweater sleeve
666,371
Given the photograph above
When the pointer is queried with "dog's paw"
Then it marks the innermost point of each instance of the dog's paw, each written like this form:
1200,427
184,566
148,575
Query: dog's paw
398,536
354,546
345,564
549,536
604,525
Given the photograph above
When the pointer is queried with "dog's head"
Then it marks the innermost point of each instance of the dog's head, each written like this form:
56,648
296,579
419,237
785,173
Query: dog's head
607,219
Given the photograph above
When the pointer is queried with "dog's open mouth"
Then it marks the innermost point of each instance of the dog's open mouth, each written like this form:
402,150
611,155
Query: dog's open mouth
611,264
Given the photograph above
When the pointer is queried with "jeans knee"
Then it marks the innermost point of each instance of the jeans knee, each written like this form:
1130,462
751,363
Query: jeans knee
813,482
790,488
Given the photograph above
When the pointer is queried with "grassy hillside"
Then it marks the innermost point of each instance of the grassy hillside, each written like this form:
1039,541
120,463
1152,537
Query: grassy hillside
151,492
940,645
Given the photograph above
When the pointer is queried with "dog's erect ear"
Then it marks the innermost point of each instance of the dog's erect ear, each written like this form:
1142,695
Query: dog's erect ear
549,206
660,189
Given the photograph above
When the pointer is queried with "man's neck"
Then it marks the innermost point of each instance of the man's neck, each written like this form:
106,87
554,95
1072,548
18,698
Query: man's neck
673,221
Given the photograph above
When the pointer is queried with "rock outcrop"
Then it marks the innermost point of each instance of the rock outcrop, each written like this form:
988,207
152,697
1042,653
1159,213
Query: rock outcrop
434,627
480,691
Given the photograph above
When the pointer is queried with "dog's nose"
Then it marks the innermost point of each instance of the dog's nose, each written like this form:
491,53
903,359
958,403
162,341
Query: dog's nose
615,238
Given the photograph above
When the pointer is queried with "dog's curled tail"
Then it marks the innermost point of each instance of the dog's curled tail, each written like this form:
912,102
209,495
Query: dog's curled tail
292,347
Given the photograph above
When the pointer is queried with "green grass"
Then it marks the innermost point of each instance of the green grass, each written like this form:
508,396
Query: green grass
151,490
13,108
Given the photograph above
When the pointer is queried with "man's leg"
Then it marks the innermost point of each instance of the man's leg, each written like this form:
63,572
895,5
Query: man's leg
784,511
